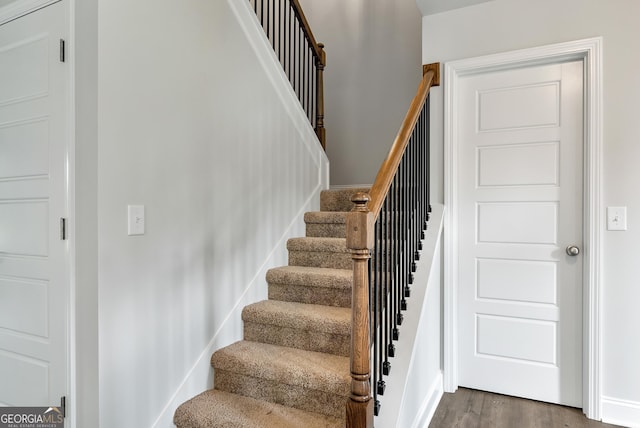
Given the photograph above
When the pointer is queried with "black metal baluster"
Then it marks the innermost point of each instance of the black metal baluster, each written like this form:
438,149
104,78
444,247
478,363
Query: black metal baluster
306,77
391,267
280,32
289,8
310,74
299,62
379,257
403,260
428,190
386,366
396,256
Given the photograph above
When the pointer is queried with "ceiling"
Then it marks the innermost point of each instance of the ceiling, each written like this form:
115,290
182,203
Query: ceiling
429,7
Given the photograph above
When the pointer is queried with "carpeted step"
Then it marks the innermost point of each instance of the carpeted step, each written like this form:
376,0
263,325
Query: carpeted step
309,381
326,224
319,252
303,284
219,409
339,199
299,325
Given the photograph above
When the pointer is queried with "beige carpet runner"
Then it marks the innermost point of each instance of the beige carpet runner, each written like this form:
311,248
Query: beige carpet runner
292,368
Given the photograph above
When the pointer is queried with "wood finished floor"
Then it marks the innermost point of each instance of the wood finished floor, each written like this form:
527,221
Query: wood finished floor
469,408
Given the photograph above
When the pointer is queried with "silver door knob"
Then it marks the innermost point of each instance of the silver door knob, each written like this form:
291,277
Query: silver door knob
573,251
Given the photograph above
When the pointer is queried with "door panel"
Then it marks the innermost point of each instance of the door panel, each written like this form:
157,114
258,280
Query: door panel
34,284
520,199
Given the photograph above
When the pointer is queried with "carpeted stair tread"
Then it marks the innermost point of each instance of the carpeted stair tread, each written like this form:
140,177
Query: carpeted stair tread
295,367
324,245
220,409
311,276
299,315
316,328
313,285
326,217
339,199
319,252
329,224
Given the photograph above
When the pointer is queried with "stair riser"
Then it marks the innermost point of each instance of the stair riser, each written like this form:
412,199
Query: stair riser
326,230
338,200
320,259
308,340
276,392
311,295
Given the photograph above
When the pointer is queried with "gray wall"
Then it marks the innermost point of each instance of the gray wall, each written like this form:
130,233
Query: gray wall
373,71
504,25
182,111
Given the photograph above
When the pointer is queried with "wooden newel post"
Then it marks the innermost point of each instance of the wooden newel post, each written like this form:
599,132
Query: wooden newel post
360,236
320,64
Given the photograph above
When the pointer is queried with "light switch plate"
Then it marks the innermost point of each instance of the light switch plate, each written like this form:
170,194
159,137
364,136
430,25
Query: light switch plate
616,218
135,216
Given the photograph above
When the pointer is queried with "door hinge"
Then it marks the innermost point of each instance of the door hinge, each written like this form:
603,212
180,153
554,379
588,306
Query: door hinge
63,229
62,50
63,406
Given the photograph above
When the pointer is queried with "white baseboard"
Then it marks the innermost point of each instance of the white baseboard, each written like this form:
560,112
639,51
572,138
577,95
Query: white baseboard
430,404
621,412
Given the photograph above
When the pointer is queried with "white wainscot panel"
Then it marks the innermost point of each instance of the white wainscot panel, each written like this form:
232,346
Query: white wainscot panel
23,306
529,340
528,107
517,280
26,66
25,149
518,222
24,228
30,377
519,165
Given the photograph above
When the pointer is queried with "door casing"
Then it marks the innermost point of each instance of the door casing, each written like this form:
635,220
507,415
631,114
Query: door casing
589,51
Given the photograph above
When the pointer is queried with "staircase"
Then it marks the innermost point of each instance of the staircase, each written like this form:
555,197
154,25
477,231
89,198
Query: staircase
292,368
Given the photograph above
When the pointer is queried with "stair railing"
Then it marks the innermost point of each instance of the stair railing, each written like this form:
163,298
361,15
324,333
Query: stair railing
301,57
384,233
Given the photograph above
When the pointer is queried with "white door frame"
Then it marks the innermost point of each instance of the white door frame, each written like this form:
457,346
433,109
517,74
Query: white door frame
590,51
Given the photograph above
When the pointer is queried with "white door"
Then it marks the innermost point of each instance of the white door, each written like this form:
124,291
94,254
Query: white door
520,206
34,285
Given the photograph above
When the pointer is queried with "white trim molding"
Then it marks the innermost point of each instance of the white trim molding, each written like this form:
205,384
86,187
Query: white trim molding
22,7
621,412
589,51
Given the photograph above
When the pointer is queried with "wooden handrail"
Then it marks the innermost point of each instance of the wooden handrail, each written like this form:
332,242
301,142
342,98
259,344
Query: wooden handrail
306,29
360,241
430,78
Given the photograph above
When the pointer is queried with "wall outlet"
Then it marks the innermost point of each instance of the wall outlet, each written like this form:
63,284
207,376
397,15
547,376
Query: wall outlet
616,218
135,217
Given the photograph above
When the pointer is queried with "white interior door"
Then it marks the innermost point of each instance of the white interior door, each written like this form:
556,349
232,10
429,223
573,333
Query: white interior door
520,205
34,285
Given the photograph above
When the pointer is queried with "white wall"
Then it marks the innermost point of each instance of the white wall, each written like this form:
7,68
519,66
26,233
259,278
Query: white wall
373,71
504,25
193,125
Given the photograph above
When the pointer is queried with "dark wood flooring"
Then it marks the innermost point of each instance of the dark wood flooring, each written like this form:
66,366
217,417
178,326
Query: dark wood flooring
469,408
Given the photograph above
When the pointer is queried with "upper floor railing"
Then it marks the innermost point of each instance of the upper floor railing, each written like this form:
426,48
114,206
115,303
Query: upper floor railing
301,57
384,233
